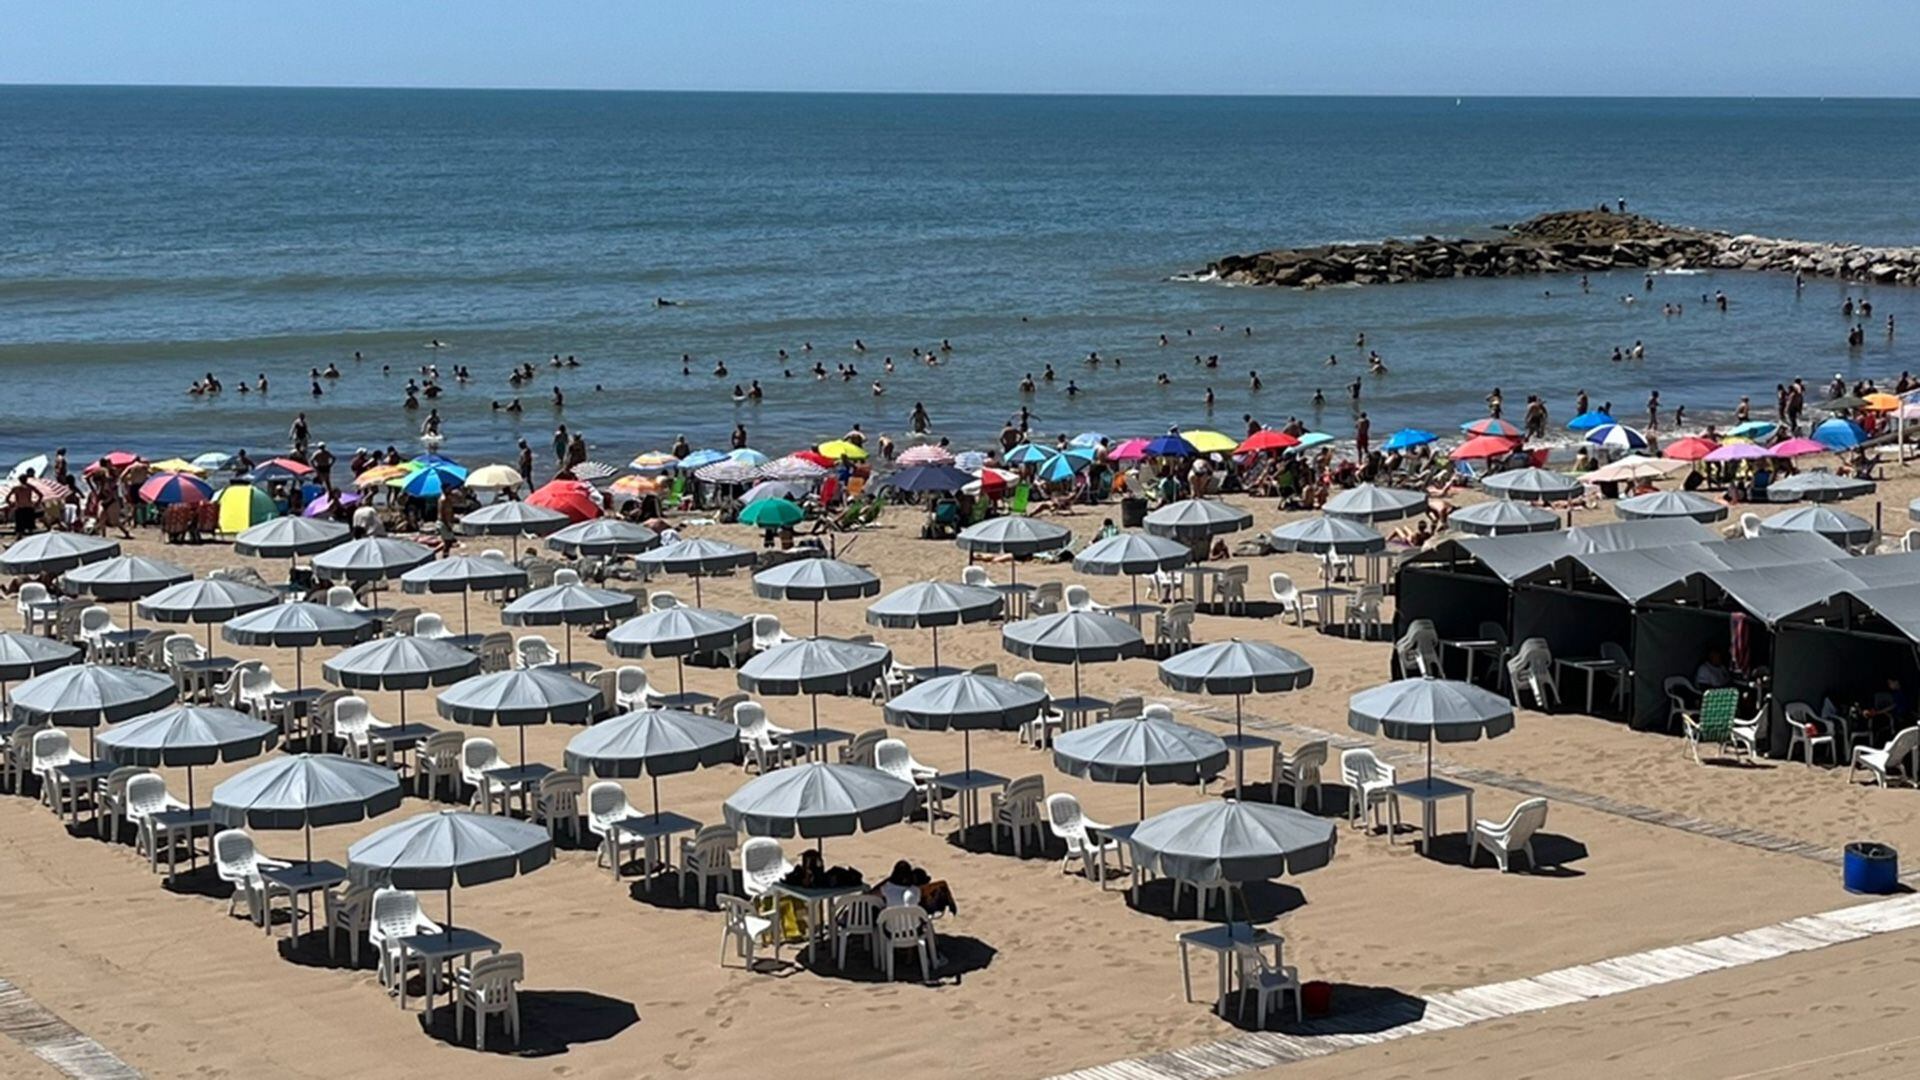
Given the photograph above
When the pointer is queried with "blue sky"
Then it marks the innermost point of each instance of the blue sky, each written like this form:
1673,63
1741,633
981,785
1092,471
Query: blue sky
1621,47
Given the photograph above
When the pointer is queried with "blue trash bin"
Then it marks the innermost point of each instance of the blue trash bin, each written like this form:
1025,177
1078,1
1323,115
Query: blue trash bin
1870,868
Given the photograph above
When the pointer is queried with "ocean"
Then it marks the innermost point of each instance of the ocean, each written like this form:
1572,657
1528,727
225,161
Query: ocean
149,236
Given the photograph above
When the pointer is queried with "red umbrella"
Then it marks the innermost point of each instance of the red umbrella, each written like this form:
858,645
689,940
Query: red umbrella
814,456
51,490
1691,448
297,468
167,489
119,459
570,497
1266,439
1485,446
1491,425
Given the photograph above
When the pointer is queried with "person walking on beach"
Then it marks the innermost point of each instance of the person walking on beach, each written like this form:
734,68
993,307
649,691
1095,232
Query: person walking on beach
1362,428
298,433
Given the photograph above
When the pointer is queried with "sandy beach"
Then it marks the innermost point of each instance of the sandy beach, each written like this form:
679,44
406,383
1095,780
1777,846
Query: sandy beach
1047,972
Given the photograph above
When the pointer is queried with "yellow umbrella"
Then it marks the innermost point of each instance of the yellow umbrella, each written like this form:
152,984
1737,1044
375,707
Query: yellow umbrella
653,461
495,476
628,485
1877,402
178,465
1210,442
842,450
382,474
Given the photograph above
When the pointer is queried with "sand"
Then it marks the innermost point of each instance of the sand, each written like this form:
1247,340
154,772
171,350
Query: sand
1047,971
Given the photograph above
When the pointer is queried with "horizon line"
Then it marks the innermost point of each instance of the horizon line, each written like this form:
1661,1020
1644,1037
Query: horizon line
1308,94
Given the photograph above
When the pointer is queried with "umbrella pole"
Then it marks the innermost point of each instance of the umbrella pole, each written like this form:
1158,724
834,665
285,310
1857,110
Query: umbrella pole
299,658
449,926
1430,757
815,699
466,624
696,590
523,743
966,738
1143,794
816,618
189,787
403,706
680,669
307,829
209,639
936,650
569,646
655,777
1239,752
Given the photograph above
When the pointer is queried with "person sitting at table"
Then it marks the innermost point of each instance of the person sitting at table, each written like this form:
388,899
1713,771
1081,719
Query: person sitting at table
1712,673
908,884
1893,705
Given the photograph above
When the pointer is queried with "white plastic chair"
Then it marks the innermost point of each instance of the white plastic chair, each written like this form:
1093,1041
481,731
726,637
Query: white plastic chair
353,725
1066,821
767,633
1018,811
1810,731
146,795
1896,756
53,749
239,863
1046,599
891,756
342,598
1287,595
1268,981
1750,526
113,799
227,694
860,750
349,912
856,916
396,915
439,758
762,865
906,928
663,600
477,756
607,807
257,687
1040,730
533,651
1502,839
31,593
764,742
1419,650
745,931
430,624
1532,666
1367,780
1174,626
631,690
1301,770
95,623
496,652
1363,611
707,856
557,800
1230,589
491,987
1080,598
566,575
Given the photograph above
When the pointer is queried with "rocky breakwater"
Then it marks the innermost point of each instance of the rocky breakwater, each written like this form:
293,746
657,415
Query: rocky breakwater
1574,241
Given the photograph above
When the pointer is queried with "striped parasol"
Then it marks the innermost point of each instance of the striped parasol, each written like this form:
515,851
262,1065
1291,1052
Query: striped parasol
590,471
727,471
926,455
792,467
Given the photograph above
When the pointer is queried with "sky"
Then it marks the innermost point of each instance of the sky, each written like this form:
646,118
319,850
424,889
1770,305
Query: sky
1739,48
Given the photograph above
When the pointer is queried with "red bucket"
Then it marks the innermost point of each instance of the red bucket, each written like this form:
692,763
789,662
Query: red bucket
1316,998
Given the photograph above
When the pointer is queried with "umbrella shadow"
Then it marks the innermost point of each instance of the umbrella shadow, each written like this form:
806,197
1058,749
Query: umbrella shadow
203,881
309,950
1257,902
1353,1010
662,891
959,955
552,1022
978,840
1554,851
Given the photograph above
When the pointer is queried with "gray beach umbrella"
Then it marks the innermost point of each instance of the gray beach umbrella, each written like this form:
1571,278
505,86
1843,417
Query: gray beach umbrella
1371,503
679,632
519,698
1502,517
1140,751
965,703
291,537
654,742
443,848
1238,668
1132,554
400,663
53,552
1234,842
1325,535
1015,535
1429,711
1844,529
88,695
22,656
569,606
463,574
301,791
1670,504
186,736
1072,637
1818,486
512,518
1534,485
816,800
372,558
604,536
814,580
697,558
124,578
814,666
1197,519
932,605
208,601
298,626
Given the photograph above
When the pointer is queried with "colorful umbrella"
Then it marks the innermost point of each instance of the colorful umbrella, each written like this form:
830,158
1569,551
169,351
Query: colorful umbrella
1029,454
801,466
930,478
654,461
432,481
1484,446
1060,468
1754,429
1131,450
1839,434
1407,438
1587,421
1882,402
281,468
635,486
1491,425
242,507
181,465
1691,448
1171,445
727,471
379,475
702,457
1209,442
1617,437
926,455
326,504
747,455
166,489
573,498
1314,438
771,514
1799,447
1266,439
842,450
1742,451
495,476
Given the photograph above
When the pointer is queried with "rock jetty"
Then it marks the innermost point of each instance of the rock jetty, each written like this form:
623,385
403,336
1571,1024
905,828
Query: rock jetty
1572,241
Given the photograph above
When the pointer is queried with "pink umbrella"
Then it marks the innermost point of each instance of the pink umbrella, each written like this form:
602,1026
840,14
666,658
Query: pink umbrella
1131,450
1691,448
1800,447
926,455
1738,452
1484,446
325,503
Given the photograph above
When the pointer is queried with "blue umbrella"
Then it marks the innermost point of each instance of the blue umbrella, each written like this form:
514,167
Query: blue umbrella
430,460
705,457
434,481
1028,454
1171,445
1754,429
1407,438
1839,433
747,455
1589,420
931,478
1314,438
1617,437
1060,467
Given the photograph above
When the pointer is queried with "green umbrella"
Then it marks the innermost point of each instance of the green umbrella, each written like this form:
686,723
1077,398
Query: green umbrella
772,513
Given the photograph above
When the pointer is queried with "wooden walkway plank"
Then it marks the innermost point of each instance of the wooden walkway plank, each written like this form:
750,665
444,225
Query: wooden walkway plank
55,1041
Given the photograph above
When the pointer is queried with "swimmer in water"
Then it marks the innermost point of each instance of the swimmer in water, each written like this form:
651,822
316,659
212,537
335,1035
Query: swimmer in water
1026,384
1163,380
1072,390
878,389
1048,373
859,346
1253,380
